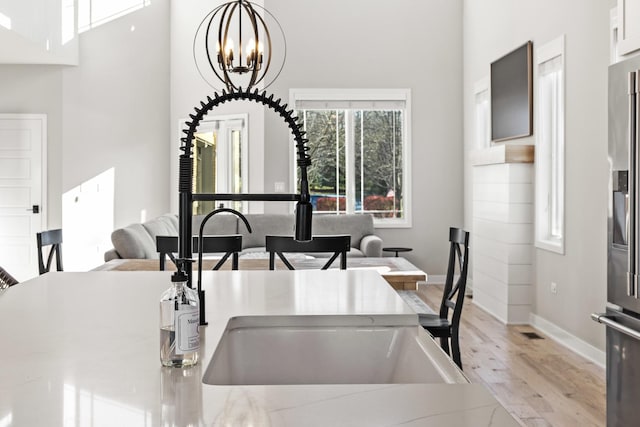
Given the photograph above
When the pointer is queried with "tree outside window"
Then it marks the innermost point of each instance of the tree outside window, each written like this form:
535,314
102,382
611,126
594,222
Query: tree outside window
358,144
375,137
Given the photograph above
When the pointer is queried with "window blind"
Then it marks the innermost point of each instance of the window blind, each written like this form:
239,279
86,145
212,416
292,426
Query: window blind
343,104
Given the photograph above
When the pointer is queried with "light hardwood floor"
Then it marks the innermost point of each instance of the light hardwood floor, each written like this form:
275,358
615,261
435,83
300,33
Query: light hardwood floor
540,382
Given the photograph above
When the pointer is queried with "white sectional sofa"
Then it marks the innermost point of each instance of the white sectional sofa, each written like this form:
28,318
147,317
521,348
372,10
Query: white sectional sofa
138,241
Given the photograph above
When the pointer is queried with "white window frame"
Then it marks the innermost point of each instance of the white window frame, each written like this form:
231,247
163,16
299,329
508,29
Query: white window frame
367,97
481,100
92,20
550,154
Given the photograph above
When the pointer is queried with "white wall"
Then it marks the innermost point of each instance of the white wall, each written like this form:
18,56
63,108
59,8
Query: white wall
116,111
495,27
412,44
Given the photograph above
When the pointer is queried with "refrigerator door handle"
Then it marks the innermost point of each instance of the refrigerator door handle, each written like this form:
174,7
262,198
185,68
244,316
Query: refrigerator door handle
632,224
607,321
636,190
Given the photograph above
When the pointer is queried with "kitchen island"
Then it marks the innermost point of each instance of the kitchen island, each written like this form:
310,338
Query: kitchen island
83,349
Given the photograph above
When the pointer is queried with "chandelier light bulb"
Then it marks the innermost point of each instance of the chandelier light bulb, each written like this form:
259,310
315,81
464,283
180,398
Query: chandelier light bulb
228,47
251,50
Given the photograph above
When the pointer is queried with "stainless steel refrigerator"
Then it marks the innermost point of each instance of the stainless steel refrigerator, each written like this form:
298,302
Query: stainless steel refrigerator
622,316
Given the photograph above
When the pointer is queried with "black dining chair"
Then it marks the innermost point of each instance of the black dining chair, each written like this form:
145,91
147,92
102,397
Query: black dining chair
53,240
338,246
441,325
6,279
229,245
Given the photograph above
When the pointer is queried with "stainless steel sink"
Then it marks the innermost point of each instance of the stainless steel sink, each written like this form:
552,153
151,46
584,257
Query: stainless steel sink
272,350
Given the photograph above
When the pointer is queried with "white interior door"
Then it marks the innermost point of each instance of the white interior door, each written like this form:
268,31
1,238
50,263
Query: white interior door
22,174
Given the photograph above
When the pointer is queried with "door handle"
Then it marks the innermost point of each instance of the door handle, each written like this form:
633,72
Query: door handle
35,209
607,321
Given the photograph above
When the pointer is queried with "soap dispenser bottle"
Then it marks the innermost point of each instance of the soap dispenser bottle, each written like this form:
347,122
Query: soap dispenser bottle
179,319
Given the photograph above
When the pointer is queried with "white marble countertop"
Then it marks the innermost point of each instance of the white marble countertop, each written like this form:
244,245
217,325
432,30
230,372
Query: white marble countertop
83,349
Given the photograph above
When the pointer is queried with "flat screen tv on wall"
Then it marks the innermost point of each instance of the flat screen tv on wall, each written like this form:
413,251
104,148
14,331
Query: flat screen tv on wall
511,95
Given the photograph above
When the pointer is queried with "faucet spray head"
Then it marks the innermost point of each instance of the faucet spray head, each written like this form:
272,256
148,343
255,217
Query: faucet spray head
303,221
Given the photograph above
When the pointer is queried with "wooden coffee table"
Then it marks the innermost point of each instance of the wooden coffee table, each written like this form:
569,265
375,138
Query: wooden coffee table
400,273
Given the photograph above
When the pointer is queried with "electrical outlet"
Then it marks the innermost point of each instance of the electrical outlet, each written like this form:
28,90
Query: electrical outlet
553,288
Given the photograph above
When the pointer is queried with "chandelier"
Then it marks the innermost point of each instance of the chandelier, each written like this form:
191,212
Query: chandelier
247,63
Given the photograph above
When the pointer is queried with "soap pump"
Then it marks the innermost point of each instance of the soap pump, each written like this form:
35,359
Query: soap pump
179,320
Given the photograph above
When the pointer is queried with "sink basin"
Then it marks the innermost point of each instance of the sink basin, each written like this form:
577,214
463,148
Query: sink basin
272,350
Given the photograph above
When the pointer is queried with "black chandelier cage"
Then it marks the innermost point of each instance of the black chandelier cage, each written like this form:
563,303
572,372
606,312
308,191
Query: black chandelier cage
229,64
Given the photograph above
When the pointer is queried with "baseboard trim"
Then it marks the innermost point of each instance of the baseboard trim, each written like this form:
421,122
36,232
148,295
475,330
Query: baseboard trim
489,312
568,340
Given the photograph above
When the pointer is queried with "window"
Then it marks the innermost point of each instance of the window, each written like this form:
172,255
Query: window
359,146
92,13
67,15
220,161
550,147
482,129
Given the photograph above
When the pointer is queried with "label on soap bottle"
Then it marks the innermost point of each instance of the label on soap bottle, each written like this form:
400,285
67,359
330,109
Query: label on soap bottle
186,323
